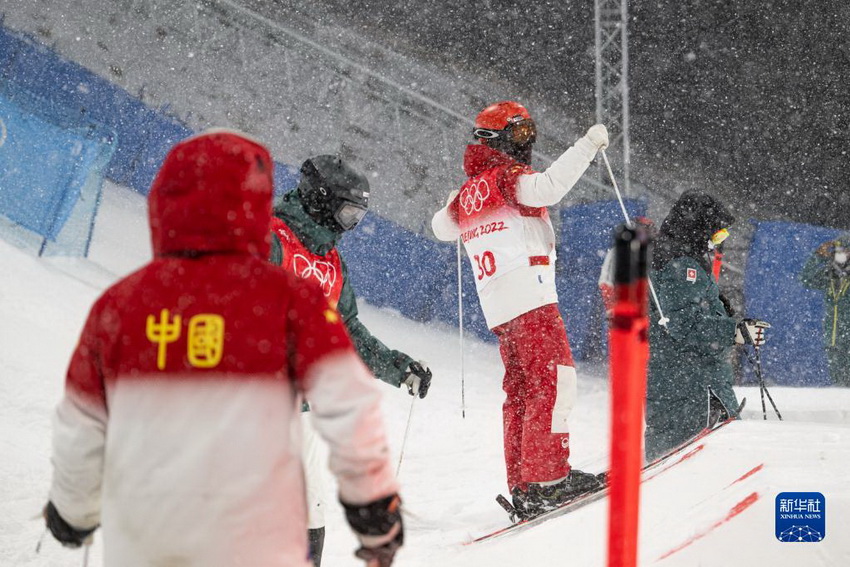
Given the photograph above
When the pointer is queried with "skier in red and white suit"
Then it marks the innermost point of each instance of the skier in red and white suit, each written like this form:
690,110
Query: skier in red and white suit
500,215
179,430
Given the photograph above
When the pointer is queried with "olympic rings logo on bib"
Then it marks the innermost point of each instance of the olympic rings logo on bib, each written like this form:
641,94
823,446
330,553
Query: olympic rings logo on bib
473,196
323,272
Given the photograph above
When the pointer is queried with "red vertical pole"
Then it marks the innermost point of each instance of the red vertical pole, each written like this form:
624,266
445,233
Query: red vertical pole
629,353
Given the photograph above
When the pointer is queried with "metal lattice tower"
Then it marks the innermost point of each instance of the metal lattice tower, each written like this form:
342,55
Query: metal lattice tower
612,86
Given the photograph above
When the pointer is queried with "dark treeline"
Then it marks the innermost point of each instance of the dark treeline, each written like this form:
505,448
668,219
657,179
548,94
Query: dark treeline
747,99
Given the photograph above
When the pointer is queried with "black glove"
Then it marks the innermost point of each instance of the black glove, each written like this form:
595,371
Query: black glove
417,378
379,528
751,332
64,532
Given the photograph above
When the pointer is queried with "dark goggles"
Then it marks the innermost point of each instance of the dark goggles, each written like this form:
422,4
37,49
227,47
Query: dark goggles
519,133
349,215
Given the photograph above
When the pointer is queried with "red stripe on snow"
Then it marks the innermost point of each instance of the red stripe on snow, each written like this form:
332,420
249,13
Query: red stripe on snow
736,509
748,474
684,457
692,452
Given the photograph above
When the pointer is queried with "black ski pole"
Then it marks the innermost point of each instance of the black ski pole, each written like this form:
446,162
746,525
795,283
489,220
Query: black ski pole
766,391
764,387
761,384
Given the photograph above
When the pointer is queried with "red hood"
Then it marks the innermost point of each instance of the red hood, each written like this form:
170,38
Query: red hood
479,157
213,193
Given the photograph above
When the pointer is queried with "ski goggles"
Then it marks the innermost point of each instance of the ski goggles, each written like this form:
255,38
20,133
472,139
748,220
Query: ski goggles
718,237
519,133
349,215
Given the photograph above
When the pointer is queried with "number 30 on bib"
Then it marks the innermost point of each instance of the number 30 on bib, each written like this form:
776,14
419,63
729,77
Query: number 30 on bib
486,264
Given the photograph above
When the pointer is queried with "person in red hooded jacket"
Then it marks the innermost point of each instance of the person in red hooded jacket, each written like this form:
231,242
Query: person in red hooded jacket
500,215
179,427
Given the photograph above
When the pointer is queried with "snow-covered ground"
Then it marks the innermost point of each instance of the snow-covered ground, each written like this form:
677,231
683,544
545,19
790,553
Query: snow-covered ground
705,511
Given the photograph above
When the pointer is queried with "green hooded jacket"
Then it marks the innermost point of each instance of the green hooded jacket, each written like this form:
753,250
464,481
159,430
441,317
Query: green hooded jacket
694,352
818,274
386,364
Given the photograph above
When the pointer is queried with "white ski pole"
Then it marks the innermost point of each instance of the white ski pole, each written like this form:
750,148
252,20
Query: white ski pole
460,330
41,537
662,319
406,431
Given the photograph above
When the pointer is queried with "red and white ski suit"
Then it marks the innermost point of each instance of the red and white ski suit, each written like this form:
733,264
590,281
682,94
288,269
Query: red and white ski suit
500,216
179,430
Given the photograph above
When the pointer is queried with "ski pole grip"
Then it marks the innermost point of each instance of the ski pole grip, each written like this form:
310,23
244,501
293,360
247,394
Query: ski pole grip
625,246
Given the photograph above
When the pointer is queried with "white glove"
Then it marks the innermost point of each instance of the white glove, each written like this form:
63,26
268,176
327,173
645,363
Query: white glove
598,136
417,378
751,332
452,195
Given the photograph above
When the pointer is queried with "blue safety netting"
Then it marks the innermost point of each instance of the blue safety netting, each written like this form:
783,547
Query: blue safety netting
587,232
793,354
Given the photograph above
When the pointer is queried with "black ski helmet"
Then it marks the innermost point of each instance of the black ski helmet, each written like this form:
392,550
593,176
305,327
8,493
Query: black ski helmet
334,194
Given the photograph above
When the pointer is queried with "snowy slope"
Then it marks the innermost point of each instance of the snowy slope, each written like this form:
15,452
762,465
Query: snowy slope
452,465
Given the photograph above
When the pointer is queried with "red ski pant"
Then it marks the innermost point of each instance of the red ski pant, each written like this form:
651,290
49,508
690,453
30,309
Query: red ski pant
540,388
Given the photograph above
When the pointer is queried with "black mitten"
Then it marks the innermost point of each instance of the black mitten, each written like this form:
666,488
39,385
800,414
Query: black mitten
379,528
65,533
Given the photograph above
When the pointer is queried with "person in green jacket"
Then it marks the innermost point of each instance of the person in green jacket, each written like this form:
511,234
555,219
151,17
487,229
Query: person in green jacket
828,270
308,223
690,357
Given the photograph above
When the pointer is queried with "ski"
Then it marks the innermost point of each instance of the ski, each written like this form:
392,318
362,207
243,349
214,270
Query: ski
684,452
577,502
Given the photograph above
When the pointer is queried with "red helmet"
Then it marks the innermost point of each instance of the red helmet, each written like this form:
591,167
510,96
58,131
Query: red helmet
507,127
499,115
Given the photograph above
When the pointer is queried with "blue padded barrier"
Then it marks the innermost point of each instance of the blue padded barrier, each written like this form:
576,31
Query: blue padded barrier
793,354
143,134
586,235
392,267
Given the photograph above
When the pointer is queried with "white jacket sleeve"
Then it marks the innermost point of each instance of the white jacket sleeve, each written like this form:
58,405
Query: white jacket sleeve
549,187
444,227
79,438
345,408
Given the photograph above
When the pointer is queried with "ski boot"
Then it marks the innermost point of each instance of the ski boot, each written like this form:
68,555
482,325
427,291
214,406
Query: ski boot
523,507
545,497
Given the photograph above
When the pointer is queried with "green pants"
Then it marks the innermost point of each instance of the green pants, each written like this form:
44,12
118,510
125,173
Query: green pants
669,423
839,364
